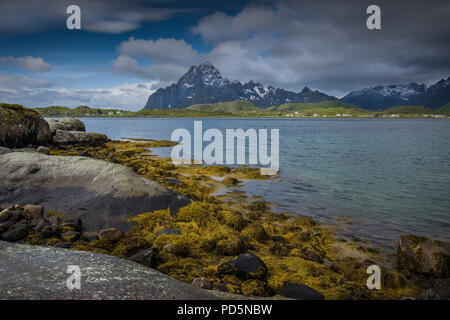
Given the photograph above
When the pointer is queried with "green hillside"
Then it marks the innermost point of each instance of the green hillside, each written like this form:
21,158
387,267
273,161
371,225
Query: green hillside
81,111
409,110
327,104
445,109
232,106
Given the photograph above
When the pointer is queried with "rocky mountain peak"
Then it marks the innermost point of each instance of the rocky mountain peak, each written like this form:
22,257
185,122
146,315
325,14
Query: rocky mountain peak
204,74
306,90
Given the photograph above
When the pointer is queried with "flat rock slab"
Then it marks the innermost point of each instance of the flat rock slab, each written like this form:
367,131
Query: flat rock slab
35,272
102,194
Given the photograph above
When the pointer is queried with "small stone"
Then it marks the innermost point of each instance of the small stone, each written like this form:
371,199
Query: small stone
72,223
111,234
64,245
15,233
90,236
71,236
44,150
246,266
32,211
202,282
18,207
147,257
299,291
83,153
5,215
41,225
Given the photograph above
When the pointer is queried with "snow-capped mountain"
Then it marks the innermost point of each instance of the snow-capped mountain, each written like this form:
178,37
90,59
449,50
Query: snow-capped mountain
413,94
205,84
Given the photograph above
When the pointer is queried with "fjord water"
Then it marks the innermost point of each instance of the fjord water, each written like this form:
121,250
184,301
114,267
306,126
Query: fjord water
389,176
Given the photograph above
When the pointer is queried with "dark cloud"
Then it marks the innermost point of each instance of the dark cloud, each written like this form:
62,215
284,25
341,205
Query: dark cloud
103,16
325,44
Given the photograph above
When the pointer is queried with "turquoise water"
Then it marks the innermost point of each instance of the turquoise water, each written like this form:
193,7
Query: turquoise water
390,176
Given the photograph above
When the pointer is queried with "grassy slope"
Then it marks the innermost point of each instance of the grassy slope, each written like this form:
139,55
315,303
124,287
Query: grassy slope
233,106
242,108
81,111
445,109
409,110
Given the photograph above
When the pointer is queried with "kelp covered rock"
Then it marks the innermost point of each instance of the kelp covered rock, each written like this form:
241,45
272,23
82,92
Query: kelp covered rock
21,126
422,256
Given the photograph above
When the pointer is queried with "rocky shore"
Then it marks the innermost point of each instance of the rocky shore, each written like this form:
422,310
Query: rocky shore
80,191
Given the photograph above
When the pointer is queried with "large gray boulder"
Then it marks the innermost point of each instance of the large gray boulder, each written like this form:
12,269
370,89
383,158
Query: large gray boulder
34,272
102,194
21,126
79,137
66,124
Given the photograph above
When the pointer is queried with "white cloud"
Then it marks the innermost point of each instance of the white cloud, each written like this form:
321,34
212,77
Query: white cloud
34,92
161,51
28,63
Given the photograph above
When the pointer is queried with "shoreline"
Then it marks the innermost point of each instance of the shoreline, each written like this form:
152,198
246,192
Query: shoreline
322,242
231,242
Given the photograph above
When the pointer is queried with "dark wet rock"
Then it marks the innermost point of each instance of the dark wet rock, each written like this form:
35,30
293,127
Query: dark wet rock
74,223
83,153
7,224
32,211
35,222
100,193
299,291
46,269
79,137
20,127
245,266
16,215
71,236
170,232
202,282
41,225
147,257
110,234
90,236
229,287
66,124
423,256
15,233
46,233
64,245
3,227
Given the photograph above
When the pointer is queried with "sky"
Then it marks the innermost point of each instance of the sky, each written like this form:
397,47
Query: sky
126,50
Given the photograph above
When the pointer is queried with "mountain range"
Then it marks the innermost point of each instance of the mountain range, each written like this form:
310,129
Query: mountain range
205,84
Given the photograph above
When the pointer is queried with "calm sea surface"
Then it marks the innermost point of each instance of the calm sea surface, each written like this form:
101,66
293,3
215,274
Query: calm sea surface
389,176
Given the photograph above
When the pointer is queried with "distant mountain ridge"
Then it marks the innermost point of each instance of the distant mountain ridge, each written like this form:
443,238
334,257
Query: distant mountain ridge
413,94
204,84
